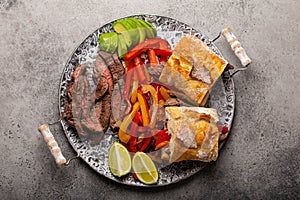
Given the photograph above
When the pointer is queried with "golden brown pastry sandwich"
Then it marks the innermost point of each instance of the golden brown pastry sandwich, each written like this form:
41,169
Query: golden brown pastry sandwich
194,133
193,69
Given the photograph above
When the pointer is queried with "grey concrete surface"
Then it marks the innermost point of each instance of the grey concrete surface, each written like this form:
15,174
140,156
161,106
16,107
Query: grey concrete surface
260,159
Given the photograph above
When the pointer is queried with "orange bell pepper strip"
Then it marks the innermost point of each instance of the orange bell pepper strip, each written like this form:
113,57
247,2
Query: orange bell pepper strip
164,93
152,57
135,86
157,88
144,109
149,88
154,43
162,144
123,136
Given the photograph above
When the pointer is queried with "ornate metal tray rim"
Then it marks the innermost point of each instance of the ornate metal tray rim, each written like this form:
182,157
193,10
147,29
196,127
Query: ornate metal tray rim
225,77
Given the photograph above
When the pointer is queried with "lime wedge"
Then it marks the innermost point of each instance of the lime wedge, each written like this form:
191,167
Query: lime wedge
144,168
119,160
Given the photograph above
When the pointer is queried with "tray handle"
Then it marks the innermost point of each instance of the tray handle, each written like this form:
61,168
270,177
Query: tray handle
236,46
52,145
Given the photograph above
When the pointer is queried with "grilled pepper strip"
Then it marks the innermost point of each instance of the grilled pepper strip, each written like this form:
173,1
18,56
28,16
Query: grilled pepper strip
133,129
129,75
152,57
162,139
162,144
146,143
161,133
163,59
135,85
157,89
154,43
163,52
144,109
149,88
164,93
123,136
139,66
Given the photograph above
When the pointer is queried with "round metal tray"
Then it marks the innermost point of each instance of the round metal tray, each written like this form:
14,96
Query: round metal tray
221,98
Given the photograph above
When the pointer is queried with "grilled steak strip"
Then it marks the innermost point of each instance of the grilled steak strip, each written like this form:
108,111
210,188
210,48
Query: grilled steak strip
103,105
89,123
80,70
101,88
67,114
115,66
79,92
117,71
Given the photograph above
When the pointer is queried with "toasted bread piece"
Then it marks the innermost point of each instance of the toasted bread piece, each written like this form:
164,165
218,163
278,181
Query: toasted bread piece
193,69
194,133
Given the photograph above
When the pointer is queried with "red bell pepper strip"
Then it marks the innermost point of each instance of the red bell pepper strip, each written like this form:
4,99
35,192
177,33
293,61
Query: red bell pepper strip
139,143
152,57
163,59
161,133
133,130
223,129
134,176
146,143
162,139
154,43
163,52
128,80
139,66
132,144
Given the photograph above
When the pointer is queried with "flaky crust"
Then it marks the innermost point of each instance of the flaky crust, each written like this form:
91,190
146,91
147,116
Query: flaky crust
193,69
194,133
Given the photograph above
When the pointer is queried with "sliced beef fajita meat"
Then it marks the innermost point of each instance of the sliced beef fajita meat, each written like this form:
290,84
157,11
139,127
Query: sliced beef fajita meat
80,70
67,114
114,65
103,105
90,112
119,106
117,70
101,88
80,91
114,101
101,71
88,121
